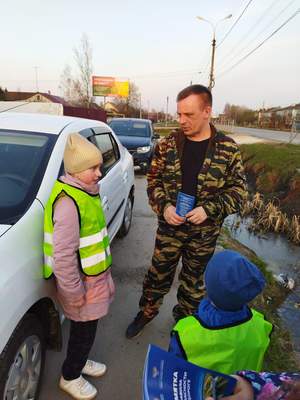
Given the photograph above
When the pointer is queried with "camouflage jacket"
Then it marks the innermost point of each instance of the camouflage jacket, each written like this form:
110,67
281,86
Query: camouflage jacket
221,188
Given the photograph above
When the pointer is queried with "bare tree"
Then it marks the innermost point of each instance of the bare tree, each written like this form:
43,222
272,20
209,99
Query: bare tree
77,90
83,57
2,94
66,83
70,88
129,105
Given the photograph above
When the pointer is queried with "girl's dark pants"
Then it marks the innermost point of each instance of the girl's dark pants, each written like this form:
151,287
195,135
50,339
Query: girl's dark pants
82,336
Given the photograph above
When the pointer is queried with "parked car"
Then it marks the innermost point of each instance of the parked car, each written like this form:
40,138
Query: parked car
31,158
138,136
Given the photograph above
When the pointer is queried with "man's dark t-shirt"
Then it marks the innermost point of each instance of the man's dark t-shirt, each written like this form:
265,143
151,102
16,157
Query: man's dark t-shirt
192,161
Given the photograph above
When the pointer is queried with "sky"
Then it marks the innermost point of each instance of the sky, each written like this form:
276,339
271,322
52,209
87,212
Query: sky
159,45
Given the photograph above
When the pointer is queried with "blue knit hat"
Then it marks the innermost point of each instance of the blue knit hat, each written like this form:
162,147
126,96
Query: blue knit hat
232,281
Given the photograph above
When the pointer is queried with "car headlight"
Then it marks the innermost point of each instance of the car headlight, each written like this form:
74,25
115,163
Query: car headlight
143,149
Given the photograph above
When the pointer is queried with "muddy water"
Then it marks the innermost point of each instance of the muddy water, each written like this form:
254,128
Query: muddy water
282,257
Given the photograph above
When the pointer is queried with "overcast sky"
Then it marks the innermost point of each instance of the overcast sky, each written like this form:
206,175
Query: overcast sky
158,44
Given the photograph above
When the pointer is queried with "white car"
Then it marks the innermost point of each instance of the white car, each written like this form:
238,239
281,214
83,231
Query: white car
31,159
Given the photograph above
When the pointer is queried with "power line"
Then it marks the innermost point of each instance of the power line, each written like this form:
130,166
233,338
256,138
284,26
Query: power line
263,42
154,75
236,46
242,13
12,108
233,53
165,74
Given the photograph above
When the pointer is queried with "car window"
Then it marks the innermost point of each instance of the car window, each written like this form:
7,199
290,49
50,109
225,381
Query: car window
105,144
23,160
109,150
87,133
130,128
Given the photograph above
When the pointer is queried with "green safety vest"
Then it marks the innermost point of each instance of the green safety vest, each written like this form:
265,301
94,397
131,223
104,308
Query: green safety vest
227,349
94,251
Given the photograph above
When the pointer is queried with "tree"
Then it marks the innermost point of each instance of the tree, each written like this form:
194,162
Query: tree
227,109
240,114
129,106
2,94
77,89
83,57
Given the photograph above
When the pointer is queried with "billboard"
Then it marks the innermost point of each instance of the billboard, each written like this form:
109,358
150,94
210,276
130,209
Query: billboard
109,86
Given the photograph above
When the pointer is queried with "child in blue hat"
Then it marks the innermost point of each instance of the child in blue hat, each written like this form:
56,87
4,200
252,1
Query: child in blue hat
225,334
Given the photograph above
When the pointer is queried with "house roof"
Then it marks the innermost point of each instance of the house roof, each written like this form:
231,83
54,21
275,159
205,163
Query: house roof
19,96
108,106
274,109
55,99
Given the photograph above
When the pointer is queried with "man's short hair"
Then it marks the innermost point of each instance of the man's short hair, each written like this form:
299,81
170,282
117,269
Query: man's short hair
201,90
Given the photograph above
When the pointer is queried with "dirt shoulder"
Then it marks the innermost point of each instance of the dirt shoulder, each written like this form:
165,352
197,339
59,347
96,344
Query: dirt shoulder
240,138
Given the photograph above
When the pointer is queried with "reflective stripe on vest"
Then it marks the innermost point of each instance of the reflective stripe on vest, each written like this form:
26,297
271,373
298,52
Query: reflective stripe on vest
228,349
94,251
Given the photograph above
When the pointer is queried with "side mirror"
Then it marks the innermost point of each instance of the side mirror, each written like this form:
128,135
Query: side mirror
156,136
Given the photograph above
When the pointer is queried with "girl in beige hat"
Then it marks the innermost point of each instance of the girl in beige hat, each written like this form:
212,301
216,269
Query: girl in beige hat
78,255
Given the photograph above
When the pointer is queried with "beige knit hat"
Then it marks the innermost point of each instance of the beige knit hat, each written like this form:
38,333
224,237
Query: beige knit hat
80,154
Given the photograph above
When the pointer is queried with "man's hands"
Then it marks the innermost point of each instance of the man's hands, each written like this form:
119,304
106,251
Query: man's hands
196,216
171,217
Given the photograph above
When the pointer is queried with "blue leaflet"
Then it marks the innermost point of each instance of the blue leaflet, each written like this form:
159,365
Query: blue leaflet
184,204
167,377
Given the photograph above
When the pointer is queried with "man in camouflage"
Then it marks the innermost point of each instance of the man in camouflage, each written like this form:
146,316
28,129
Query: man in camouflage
200,161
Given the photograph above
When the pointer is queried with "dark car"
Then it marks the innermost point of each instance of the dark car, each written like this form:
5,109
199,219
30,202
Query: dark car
138,136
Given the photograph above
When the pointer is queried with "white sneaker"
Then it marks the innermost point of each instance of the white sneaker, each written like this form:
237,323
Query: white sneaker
93,368
78,388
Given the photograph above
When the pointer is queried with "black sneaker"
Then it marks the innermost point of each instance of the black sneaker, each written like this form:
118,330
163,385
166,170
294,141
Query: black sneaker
137,325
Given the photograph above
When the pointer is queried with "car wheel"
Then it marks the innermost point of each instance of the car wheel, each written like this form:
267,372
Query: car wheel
22,361
126,224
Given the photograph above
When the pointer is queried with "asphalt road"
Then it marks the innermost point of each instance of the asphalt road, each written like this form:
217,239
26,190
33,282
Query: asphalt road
124,358
267,134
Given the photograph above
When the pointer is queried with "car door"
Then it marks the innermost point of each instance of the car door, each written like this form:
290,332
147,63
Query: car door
112,185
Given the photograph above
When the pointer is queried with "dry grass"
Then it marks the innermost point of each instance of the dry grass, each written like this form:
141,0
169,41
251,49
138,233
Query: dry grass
269,218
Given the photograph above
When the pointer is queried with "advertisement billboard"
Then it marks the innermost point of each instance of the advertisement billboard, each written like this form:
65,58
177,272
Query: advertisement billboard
109,86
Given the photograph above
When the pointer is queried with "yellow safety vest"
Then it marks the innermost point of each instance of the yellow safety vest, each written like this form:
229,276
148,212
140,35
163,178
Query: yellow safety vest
94,251
227,349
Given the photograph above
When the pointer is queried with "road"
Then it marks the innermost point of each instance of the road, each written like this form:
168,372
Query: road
124,358
266,134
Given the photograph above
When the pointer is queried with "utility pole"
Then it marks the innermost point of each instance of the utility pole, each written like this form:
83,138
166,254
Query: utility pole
167,108
212,63
140,106
211,75
36,78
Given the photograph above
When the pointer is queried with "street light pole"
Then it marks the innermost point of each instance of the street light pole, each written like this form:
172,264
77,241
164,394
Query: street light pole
167,110
212,63
211,75
140,106
36,78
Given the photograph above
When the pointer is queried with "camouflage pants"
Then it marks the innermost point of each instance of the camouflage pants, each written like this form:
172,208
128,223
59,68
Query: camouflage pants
195,245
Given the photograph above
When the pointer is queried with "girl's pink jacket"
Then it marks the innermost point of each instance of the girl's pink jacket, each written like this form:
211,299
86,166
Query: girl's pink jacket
83,298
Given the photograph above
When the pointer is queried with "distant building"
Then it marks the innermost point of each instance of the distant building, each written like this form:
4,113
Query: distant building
279,117
34,97
112,110
37,102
